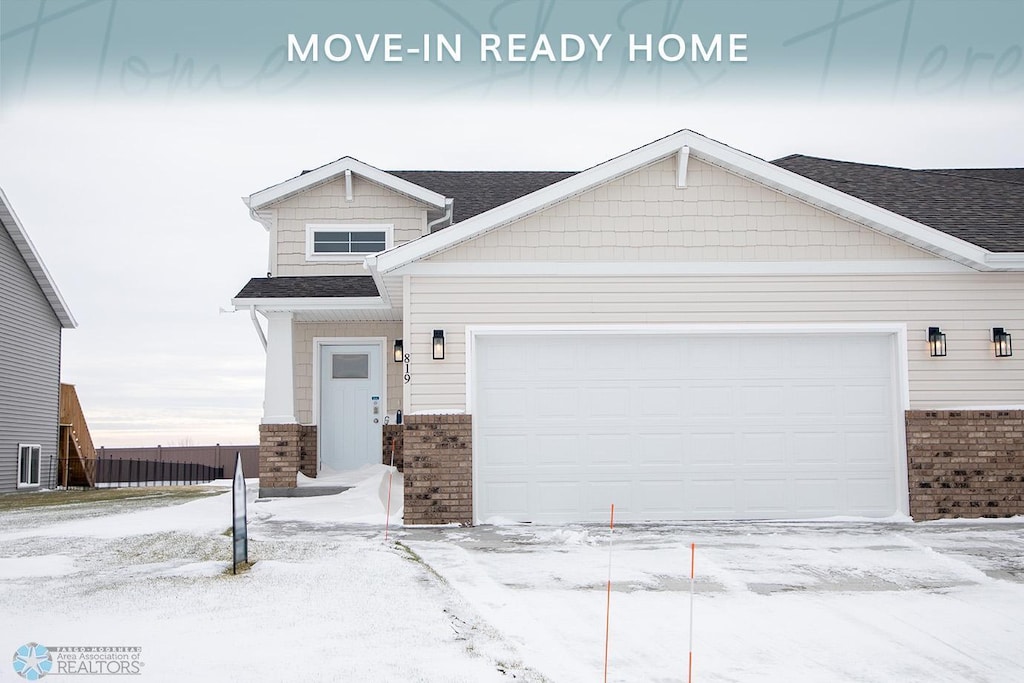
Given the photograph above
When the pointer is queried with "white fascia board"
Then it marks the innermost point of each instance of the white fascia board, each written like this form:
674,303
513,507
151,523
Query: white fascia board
533,202
691,268
1011,260
35,264
847,206
337,169
321,303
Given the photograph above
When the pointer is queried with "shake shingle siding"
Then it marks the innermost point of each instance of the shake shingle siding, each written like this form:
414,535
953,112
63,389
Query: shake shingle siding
29,366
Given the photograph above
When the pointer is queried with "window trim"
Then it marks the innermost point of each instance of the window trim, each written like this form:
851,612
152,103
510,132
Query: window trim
39,465
313,228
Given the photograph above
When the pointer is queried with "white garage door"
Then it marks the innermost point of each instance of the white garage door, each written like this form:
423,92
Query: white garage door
673,427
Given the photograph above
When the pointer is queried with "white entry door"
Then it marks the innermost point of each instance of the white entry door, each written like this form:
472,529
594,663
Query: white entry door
351,406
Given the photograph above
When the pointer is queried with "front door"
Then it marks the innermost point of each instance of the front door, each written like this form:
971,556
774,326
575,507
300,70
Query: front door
351,406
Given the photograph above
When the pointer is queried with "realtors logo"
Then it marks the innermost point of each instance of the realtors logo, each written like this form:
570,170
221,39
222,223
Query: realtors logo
32,661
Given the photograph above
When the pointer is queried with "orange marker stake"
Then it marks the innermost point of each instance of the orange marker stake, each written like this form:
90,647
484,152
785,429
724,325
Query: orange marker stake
693,554
608,603
387,519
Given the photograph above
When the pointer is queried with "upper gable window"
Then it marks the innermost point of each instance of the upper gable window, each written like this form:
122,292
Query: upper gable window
343,242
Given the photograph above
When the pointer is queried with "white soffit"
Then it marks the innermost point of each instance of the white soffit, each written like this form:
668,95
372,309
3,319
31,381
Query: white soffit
684,144
337,169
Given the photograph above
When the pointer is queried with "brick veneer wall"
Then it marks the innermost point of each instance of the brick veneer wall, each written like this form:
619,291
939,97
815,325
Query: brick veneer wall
438,458
965,463
394,435
284,450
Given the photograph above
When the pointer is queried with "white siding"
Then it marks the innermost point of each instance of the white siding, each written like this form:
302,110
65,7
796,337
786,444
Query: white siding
643,216
371,203
302,349
966,307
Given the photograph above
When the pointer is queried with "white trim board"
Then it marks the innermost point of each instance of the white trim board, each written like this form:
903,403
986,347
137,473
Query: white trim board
337,169
697,268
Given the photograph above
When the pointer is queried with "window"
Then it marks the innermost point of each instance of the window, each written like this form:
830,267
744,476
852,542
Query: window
28,464
341,242
350,366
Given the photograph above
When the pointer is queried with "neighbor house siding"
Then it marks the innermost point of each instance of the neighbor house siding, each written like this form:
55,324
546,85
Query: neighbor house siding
643,216
29,366
371,204
966,307
302,350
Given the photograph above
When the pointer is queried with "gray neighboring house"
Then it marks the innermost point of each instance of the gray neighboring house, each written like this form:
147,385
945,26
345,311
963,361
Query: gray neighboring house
32,315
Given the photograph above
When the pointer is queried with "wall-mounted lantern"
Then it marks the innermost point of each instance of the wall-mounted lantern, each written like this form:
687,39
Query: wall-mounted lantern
936,342
399,351
1002,342
438,344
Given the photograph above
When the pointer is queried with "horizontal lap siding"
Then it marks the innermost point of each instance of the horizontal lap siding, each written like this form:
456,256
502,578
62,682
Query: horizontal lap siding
965,306
29,366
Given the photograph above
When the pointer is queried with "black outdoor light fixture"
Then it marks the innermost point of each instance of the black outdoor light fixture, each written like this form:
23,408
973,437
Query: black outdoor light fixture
399,351
438,344
1001,340
936,342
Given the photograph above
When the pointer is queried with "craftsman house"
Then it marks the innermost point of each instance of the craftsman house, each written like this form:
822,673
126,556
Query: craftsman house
32,315
685,330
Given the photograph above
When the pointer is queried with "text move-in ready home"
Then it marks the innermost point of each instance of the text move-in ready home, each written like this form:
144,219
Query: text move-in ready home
686,331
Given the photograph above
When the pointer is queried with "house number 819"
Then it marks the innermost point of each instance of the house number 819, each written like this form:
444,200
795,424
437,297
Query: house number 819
407,377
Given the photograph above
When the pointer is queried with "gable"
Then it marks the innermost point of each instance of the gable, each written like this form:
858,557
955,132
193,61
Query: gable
643,216
328,203
19,258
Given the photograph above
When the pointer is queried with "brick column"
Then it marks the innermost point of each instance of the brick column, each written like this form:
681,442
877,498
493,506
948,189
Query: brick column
394,435
438,459
284,450
965,463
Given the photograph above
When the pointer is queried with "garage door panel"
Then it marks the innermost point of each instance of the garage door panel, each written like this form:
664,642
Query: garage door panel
659,449
712,448
818,496
661,498
685,427
769,496
712,496
610,449
505,450
508,499
712,400
764,448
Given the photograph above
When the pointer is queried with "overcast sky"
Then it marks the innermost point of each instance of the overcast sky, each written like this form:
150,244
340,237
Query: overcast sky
136,212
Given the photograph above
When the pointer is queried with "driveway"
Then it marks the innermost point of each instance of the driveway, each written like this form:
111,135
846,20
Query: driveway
834,601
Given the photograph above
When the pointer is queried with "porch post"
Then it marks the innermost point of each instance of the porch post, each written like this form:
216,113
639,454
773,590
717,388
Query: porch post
279,392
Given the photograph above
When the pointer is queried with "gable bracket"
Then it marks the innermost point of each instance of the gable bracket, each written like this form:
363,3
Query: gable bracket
682,159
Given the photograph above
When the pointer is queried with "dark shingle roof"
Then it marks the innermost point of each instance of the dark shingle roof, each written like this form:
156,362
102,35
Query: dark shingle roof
981,206
477,191
343,286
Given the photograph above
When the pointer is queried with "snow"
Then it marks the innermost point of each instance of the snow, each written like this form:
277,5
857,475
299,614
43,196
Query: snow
327,599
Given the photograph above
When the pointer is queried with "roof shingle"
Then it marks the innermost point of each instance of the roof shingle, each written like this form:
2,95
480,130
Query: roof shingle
981,206
303,286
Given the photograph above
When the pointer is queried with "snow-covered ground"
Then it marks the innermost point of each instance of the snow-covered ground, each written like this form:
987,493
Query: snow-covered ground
329,600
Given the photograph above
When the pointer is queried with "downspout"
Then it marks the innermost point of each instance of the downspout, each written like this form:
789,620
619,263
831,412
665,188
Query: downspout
259,330
448,205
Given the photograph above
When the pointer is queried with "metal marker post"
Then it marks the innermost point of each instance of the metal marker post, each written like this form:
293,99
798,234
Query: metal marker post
608,602
239,527
693,554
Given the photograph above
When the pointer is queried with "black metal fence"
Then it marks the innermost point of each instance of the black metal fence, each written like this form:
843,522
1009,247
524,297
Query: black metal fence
125,473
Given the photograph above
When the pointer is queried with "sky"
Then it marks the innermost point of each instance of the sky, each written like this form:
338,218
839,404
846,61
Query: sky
133,201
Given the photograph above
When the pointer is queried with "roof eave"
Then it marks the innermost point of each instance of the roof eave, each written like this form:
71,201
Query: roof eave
320,303
336,169
35,264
